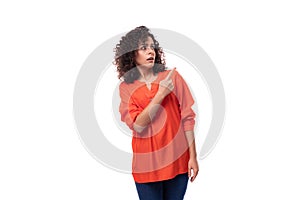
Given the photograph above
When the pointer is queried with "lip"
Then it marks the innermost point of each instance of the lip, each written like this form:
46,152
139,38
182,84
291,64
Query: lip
150,59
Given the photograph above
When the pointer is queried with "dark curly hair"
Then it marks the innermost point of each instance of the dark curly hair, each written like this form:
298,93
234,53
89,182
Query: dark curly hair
125,54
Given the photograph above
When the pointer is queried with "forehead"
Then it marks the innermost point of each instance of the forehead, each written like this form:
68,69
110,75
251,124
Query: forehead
147,40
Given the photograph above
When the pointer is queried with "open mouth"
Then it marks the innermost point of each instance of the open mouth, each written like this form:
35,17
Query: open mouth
151,59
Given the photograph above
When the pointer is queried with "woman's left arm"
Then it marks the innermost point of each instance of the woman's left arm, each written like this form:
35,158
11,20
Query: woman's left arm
186,101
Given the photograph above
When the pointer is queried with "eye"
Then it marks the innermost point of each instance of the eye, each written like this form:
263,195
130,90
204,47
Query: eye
152,46
143,47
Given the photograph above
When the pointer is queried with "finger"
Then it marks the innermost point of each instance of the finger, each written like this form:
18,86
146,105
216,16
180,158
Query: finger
195,175
189,172
171,87
169,76
192,178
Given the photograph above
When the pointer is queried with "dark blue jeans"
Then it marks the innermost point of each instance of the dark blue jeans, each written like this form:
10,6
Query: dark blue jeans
172,189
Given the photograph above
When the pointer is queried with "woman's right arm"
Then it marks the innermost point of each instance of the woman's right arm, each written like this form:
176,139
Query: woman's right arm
146,116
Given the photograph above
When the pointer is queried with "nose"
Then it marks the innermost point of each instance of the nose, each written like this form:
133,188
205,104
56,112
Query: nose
150,50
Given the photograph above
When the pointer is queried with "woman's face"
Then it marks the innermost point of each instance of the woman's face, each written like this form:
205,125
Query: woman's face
145,54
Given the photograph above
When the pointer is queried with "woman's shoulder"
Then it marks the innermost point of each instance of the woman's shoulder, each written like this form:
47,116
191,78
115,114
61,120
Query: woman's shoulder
129,87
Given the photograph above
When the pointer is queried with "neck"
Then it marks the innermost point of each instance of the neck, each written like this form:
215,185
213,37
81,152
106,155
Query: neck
145,73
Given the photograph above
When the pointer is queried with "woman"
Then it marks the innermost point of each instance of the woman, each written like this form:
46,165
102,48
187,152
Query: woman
156,105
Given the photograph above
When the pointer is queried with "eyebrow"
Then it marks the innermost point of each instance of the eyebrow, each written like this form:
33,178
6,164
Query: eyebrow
142,44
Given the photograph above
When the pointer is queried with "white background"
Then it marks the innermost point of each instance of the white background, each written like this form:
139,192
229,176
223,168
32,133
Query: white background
254,45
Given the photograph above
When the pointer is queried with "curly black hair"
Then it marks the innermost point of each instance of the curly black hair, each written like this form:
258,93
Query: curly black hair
125,54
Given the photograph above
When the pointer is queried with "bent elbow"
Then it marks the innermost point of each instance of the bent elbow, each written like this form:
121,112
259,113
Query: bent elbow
138,128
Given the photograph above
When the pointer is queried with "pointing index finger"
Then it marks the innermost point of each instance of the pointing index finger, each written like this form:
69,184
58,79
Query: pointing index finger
170,74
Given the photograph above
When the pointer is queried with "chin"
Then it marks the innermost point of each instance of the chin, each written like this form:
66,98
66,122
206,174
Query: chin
148,65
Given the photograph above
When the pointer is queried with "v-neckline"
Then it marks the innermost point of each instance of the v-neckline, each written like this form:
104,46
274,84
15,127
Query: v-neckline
149,84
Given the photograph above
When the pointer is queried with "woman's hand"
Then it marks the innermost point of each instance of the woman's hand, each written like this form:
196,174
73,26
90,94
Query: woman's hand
146,116
166,86
193,166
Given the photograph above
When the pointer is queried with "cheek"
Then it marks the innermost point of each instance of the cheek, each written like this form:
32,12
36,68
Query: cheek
137,61
138,58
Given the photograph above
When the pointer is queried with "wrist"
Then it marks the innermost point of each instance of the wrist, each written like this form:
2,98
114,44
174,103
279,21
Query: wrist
160,96
193,157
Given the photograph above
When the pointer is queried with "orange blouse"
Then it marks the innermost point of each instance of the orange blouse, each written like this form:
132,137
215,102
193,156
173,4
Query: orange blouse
160,151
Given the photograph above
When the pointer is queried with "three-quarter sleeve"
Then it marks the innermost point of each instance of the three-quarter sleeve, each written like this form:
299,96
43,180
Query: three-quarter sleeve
186,102
128,109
